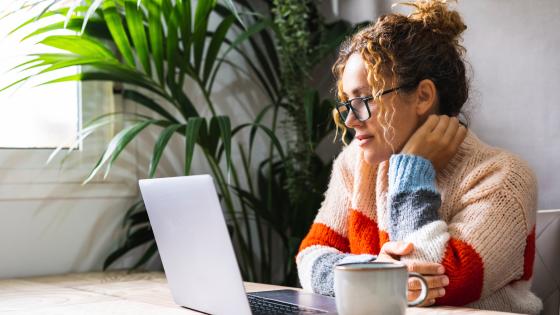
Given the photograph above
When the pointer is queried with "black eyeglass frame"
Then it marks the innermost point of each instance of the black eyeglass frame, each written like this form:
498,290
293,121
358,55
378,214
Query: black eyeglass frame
365,100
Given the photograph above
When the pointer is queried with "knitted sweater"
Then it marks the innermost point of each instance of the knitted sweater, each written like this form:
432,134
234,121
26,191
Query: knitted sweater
476,217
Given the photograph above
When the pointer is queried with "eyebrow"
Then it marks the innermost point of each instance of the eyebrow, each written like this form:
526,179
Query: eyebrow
358,90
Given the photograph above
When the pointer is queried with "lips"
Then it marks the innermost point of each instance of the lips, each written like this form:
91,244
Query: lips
363,137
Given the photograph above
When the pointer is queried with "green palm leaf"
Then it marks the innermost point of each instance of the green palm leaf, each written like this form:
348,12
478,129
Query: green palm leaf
215,45
139,237
195,126
136,27
92,8
117,145
156,37
160,145
120,36
149,103
172,41
79,45
225,135
202,14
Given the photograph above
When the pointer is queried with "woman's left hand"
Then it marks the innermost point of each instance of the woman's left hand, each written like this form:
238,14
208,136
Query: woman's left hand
433,273
436,140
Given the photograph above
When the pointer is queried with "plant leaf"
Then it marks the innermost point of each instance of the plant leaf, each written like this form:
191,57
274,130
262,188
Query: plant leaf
136,27
135,206
149,103
119,34
160,145
156,37
186,28
90,12
79,45
172,41
233,8
225,132
201,17
116,146
192,134
149,253
139,237
215,45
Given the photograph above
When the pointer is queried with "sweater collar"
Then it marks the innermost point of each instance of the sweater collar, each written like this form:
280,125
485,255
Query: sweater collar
463,152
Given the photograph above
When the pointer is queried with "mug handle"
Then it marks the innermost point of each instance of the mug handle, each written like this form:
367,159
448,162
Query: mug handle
423,293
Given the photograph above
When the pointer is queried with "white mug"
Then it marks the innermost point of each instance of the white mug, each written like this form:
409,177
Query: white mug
374,288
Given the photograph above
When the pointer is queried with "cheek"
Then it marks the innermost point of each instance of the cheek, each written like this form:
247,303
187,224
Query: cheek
398,129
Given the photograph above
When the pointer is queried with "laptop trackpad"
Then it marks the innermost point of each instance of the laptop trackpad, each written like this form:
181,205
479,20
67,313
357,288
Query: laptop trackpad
304,299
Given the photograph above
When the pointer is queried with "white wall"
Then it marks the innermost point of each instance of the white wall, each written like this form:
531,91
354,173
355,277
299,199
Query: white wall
513,47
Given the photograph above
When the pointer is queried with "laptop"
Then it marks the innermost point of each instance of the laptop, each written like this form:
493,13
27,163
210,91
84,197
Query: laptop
198,257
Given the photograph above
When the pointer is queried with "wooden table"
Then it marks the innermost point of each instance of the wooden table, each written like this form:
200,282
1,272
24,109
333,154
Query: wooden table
119,292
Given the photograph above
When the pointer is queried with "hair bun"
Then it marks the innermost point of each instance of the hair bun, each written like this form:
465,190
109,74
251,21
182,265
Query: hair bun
436,15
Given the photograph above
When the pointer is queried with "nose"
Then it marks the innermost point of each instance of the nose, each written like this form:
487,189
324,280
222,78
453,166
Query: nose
351,120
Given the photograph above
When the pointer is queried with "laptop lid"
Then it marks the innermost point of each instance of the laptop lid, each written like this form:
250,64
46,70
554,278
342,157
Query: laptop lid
194,244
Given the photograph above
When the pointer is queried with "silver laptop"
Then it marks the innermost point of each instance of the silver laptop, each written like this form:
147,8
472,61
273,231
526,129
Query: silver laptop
198,257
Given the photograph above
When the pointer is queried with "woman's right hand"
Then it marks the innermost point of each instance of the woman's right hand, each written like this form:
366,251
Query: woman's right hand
433,273
437,140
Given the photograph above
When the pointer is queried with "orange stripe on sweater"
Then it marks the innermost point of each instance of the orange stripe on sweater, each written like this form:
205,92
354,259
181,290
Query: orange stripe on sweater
363,234
529,256
320,234
465,270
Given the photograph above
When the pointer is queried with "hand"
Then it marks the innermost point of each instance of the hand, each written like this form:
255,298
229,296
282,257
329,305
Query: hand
436,140
432,272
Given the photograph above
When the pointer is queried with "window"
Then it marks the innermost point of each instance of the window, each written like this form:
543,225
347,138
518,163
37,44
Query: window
42,118
33,116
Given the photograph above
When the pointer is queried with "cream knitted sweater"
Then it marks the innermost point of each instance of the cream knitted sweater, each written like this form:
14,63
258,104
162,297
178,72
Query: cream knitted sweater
476,217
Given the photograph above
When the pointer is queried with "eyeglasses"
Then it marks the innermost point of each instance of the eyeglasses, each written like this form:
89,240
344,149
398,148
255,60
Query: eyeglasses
360,105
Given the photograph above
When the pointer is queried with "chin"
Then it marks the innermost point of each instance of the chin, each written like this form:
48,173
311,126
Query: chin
373,157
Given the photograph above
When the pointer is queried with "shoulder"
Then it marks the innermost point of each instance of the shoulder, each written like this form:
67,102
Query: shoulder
497,172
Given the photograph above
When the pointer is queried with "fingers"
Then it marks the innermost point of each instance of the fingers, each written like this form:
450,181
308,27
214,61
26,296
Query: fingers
459,136
426,268
397,248
433,294
430,123
441,126
385,258
433,282
449,133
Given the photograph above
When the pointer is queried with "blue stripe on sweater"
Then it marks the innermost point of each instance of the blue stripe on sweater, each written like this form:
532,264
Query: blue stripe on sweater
413,198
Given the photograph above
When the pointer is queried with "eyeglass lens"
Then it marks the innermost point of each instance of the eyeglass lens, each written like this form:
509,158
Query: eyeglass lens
359,108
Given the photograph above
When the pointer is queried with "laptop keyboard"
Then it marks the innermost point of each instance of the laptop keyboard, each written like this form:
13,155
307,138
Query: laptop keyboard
262,306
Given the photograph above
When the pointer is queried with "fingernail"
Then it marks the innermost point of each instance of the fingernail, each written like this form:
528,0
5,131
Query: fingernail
441,292
445,281
432,301
441,269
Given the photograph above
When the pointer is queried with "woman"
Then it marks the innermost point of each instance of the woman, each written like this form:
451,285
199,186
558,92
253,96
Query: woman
415,185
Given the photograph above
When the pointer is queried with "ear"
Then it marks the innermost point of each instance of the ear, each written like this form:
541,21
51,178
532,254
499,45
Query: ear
426,98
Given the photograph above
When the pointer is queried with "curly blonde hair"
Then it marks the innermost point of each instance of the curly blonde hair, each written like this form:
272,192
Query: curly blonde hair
423,45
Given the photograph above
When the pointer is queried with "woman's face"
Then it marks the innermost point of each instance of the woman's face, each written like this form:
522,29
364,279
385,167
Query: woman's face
405,119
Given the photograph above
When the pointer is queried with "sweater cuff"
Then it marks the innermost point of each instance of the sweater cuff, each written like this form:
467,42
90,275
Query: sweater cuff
410,173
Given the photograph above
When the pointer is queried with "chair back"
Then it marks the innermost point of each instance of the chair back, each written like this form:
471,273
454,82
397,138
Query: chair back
546,272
